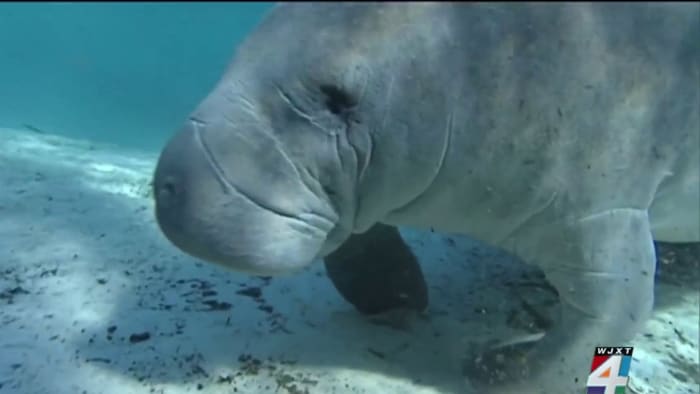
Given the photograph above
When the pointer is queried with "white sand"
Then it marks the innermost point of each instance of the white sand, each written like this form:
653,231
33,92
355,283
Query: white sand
83,267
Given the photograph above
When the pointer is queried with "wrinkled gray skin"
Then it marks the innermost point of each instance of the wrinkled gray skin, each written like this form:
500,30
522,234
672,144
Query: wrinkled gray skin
566,133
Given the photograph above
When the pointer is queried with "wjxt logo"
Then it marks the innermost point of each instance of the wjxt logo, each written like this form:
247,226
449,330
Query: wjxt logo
610,370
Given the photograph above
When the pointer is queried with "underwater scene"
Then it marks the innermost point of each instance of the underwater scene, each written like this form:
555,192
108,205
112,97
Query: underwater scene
337,197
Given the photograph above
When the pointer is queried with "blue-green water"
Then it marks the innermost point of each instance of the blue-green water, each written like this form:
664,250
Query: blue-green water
124,73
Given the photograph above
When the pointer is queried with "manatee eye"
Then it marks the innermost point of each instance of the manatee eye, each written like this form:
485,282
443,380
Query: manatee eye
337,101
329,191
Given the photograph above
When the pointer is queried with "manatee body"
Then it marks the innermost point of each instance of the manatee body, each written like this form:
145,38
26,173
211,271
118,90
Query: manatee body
567,134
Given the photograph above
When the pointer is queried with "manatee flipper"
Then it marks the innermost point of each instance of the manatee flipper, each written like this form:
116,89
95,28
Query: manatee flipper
377,272
602,266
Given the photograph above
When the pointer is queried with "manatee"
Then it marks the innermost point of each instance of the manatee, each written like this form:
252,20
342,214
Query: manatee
567,134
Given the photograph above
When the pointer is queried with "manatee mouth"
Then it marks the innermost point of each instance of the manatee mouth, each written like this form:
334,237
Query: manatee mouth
309,223
205,211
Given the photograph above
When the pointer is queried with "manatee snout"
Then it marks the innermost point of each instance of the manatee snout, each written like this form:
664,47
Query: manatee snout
225,195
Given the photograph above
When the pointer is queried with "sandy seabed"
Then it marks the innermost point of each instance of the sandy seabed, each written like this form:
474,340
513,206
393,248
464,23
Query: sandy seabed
94,300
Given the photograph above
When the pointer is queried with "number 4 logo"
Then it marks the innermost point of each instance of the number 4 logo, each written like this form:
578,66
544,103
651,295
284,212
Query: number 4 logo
611,376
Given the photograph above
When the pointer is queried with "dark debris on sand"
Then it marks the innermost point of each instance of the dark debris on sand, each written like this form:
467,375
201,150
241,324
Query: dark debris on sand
276,320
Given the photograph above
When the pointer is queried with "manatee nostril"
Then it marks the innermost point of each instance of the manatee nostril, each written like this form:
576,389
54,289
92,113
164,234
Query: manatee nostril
168,188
